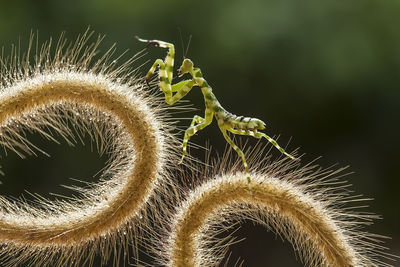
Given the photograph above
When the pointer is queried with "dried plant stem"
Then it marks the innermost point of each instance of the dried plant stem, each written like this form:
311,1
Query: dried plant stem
85,90
68,96
305,221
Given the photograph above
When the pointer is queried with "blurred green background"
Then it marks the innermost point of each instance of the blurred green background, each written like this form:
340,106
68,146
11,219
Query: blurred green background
324,74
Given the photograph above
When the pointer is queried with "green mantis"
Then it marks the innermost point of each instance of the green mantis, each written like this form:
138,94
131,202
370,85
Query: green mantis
227,122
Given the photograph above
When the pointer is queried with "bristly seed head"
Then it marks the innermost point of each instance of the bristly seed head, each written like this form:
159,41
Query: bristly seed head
73,87
307,206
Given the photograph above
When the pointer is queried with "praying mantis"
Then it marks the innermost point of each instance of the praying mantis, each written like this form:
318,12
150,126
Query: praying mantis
227,122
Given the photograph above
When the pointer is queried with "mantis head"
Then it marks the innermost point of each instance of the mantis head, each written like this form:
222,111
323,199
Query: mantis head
186,67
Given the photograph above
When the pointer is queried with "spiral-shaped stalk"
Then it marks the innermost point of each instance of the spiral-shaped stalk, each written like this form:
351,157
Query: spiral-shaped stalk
301,204
68,95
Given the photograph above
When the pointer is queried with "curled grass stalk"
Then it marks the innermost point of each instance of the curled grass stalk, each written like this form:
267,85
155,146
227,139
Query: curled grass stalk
70,93
308,206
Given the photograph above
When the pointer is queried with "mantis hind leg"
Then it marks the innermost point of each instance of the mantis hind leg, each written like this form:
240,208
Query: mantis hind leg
261,135
274,143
